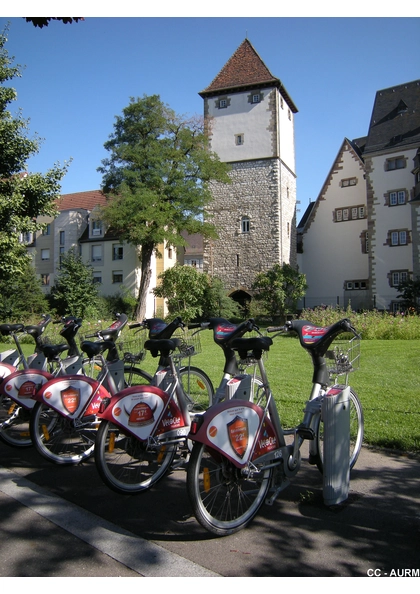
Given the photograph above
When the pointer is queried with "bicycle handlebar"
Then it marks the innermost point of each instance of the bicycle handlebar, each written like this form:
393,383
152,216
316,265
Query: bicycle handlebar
288,327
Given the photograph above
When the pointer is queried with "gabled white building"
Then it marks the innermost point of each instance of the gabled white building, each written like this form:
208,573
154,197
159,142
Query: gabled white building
332,237
360,239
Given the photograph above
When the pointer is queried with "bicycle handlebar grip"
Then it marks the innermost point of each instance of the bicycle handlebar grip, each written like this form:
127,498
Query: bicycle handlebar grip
136,325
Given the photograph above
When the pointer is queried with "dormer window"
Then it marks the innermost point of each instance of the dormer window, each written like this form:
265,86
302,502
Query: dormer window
96,228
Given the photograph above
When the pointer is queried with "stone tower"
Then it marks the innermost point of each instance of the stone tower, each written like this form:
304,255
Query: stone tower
250,121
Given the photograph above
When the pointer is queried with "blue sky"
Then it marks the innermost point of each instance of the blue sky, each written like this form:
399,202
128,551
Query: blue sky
78,77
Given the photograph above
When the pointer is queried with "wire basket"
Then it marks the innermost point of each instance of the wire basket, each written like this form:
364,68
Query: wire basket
132,348
343,356
190,343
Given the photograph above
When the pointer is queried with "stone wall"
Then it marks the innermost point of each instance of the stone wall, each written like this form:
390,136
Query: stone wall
238,255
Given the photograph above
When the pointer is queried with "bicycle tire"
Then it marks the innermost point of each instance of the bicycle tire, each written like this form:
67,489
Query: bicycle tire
127,465
133,376
14,423
356,432
198,388
58,439
223,499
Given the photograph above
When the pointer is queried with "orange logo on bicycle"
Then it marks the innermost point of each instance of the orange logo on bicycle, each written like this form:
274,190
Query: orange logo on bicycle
238,435
27,389
70,397
141,414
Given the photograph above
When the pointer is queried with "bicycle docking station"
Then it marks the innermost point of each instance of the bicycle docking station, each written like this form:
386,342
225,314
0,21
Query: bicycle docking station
336,470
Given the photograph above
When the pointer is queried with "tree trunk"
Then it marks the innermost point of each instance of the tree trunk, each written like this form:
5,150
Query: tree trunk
146,275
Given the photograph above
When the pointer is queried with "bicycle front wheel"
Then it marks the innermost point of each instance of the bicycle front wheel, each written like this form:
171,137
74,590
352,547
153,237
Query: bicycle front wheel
356,432
127,465
14,423
197,387
223,497
59,439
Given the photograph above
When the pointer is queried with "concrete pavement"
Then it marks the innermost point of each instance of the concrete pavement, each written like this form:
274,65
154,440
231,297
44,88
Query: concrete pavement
62,521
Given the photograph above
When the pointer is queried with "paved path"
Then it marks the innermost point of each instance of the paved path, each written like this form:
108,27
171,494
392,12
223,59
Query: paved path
62,521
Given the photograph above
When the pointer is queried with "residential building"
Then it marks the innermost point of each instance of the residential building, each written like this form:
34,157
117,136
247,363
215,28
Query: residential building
360,239
250,121
115,264
192,253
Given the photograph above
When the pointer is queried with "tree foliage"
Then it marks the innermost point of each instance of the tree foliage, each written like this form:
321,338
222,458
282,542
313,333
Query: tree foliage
191,294
74,291
410,293
157,180
45,21
278,290
23,196
22,296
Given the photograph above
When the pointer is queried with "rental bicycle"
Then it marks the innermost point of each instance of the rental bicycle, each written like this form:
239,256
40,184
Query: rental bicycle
143,429
196,383
241,457
19,385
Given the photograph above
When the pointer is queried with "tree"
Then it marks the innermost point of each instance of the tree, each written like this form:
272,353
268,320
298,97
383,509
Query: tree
217,303
74,291
45,21
410,293
191,294
22,296
279,289
184,289
157,180
23,196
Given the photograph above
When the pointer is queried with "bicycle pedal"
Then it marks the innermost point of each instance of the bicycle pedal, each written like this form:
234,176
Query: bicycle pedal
305,432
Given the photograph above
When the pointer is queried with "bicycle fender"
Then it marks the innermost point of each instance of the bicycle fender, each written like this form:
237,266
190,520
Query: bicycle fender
145,411
6,370
22,385
238,430
73,396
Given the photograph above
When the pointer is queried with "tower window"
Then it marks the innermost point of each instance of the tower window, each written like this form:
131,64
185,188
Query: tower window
239,139
245,227
256,98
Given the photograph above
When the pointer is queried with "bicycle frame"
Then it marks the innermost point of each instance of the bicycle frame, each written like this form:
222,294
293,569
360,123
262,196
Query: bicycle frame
250,436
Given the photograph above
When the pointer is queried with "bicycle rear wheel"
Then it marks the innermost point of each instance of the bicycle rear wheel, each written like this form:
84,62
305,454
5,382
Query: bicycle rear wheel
224,499
127,465
14,423
59,439
356,432
197,387
134,376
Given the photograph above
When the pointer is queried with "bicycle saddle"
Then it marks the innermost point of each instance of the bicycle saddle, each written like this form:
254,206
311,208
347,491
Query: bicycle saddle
7,329
51,351
96,348
161,346
256,344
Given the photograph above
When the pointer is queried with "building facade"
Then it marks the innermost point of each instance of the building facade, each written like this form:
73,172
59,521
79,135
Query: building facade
360,239
250,122
115,264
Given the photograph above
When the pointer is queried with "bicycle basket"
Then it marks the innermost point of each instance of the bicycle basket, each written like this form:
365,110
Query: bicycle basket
132,350
190,343
343,356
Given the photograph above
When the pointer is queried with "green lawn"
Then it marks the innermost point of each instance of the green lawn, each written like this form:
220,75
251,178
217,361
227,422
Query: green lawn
388,384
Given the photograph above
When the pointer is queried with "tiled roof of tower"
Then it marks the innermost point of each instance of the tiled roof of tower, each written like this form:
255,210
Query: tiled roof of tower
86,200
245,69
